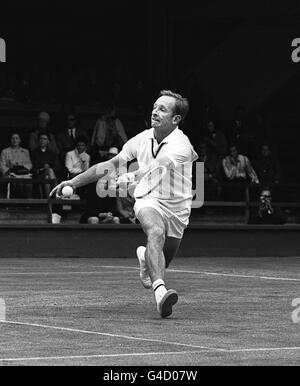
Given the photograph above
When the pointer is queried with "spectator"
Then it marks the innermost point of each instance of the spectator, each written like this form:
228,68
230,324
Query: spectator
24,90
212,172
15,162
266,213
215,139
66,139
108,205
45,163
212,165
238,170
15,159
104,207
267,166
108,132
125,210
77,160
43,125
237,167
238,131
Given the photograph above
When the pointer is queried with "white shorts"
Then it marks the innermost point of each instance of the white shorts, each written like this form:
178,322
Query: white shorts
175,222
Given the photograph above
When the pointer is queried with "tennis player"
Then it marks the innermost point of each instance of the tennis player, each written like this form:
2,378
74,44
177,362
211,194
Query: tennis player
164,212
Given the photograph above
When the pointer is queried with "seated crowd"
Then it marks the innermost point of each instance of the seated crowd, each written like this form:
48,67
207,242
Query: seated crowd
232,160
49,158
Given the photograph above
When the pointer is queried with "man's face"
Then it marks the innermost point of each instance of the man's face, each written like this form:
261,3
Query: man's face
211,126
233,152
81,147
265,196
43,141
162,116
15,140
42,123
265,151
71,121
110,111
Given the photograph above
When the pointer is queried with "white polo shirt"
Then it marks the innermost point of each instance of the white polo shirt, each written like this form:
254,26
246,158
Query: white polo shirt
175,193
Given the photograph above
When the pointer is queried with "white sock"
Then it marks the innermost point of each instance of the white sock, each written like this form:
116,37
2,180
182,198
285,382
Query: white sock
159,289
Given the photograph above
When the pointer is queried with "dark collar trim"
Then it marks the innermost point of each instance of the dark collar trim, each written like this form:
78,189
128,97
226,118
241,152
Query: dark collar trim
159,148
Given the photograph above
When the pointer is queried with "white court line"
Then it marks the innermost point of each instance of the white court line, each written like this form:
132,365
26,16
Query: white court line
130,269
263,349
49,273
111,335
95,356
202,348
213,273
103,355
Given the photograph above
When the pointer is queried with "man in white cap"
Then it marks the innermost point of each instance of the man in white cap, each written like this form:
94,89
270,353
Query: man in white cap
43,126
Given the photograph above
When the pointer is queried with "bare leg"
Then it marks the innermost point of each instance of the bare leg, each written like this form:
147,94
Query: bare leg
154,227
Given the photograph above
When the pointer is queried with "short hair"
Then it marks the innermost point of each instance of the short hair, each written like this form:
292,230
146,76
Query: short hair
181,105
71,115
81,138
266,189
44,115
44,133
15,133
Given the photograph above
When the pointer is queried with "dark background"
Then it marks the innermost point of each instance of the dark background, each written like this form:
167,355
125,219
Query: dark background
220,54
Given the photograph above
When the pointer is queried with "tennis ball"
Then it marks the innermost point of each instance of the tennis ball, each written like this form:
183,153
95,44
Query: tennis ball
67,191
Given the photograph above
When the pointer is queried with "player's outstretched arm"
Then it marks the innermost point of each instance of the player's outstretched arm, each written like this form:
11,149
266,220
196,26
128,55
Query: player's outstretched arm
93,174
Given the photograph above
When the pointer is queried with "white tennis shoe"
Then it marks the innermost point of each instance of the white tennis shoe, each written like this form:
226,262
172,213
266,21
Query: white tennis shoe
164,306
144,274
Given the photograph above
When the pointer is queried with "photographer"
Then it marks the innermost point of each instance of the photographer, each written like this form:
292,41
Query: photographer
266,213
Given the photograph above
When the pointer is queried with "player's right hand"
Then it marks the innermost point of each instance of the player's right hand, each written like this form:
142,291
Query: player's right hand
58,188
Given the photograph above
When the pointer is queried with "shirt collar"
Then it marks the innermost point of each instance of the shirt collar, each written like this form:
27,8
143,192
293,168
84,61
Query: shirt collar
168,138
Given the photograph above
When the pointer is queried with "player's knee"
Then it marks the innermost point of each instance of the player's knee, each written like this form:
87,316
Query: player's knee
157,233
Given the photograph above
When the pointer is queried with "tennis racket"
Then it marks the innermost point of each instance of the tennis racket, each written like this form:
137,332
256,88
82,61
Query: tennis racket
150,181
54,190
